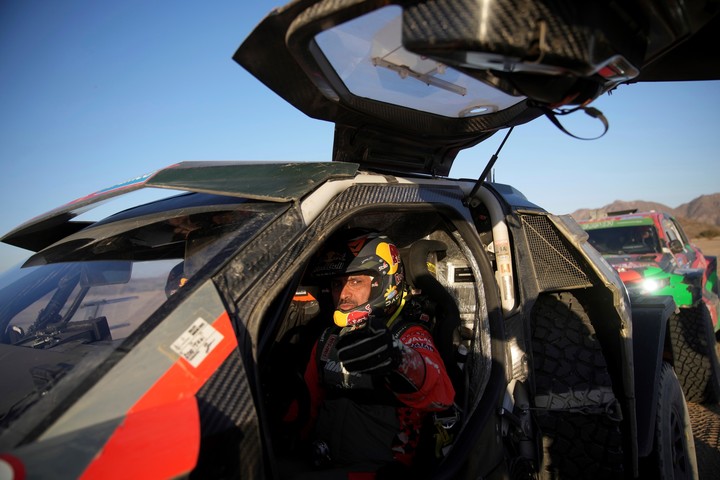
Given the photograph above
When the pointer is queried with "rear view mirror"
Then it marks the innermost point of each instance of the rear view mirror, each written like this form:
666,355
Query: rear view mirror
109,272
676,246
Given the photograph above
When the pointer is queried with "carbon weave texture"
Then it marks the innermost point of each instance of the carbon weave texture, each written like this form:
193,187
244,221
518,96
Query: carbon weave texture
495,26
358,196
227,418
243,270
220,394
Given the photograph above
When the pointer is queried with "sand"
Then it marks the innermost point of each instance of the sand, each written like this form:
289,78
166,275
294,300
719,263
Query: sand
709,246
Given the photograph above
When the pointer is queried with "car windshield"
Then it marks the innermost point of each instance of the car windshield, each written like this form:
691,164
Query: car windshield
630,240
69,306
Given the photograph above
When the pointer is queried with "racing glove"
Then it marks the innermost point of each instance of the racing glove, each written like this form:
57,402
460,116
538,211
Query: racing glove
370,349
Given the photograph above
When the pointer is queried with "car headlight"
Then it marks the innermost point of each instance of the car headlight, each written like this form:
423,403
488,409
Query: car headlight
650,285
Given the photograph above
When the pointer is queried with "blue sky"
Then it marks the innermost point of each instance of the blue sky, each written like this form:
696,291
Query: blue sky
95,93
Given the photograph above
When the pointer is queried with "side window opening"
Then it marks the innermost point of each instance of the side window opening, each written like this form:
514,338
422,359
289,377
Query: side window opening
680,232
671,232
282,362
309,309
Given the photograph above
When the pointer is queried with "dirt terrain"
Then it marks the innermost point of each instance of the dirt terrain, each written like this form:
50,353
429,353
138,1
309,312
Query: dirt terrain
706,418
709,246
705,421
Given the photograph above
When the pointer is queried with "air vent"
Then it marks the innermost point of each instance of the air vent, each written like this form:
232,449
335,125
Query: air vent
556,265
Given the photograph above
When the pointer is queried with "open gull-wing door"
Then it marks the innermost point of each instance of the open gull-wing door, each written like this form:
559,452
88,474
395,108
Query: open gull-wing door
410,84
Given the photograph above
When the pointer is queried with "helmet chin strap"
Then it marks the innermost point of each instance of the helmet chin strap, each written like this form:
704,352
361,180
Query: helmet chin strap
399,309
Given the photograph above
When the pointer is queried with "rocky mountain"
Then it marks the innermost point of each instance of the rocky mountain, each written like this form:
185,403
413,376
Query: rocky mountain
704,209
699,217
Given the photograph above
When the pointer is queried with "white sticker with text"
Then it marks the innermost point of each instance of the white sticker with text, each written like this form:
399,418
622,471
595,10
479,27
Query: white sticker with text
196,343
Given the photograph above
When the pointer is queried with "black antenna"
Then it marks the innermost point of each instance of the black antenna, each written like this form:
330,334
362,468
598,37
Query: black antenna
489,166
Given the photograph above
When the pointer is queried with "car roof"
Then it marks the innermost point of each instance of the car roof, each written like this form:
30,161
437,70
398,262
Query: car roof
618,219
408,88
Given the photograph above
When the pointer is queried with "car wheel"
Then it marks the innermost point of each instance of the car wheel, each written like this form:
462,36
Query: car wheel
576,410
673,456
695,354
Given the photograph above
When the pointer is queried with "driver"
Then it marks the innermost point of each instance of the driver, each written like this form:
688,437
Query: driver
648,239
375,373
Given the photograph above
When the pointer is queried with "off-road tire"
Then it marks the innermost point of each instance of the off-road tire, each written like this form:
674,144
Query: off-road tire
673,456
695,354
576,410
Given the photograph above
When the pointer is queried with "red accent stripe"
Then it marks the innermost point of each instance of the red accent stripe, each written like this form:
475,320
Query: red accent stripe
160,437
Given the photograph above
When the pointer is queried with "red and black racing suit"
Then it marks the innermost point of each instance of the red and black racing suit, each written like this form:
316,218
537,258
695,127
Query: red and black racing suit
371,420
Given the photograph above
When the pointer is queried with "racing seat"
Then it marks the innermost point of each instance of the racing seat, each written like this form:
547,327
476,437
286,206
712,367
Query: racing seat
446,333
447,313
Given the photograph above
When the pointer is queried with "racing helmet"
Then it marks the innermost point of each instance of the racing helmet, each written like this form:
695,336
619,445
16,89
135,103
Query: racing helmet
368,254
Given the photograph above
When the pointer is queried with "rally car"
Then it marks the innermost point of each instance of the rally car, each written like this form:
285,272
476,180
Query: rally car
167,340
654,256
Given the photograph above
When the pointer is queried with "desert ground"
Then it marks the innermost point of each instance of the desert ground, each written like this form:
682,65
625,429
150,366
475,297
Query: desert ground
709,246
706,418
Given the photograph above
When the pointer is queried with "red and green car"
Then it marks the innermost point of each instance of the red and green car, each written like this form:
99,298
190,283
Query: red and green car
654,257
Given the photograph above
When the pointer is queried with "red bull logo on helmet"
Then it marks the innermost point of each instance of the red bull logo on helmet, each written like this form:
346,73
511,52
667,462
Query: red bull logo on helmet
355,318
390,254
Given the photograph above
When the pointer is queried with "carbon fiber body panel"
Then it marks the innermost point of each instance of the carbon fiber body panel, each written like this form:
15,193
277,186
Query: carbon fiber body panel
231,446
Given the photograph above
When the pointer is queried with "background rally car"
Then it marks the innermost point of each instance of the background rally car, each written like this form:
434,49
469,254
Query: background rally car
166,340
654,256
